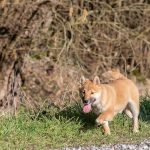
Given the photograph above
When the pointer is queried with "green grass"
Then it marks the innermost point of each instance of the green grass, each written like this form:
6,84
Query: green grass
54,128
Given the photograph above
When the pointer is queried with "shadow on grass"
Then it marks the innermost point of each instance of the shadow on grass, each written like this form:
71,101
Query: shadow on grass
145,109
76,114
70,113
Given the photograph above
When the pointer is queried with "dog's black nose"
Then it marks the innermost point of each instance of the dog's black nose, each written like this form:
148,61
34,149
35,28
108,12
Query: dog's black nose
85,101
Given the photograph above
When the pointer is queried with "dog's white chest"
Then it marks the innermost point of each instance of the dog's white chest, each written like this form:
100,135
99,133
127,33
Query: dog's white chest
98,109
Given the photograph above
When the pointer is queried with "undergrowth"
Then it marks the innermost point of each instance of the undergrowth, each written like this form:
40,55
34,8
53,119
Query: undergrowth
54,128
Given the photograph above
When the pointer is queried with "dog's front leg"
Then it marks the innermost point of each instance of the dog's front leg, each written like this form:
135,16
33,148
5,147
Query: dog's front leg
103,120
106,128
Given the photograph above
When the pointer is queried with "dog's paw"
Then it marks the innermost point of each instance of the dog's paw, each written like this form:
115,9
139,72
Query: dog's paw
107,133
135,131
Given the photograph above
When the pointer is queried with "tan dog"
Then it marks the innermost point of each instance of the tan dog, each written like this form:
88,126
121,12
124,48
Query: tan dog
107,100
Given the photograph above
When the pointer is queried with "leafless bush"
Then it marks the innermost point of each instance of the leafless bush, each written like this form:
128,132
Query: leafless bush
57,41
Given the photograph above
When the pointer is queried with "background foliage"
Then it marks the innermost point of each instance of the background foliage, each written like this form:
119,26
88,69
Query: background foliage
46,45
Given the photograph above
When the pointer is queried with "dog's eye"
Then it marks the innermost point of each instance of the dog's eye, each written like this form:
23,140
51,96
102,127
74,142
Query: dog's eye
92,92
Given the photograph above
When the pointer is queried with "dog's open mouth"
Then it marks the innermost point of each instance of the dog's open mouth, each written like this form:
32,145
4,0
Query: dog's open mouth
88,107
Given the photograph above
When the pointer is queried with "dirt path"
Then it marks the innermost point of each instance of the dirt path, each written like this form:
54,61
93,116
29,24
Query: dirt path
145,145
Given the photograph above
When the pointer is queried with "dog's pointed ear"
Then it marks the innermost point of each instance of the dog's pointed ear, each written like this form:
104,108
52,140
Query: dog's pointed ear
82,80
96,80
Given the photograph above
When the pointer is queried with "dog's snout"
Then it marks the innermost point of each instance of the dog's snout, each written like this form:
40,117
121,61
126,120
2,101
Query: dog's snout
85,101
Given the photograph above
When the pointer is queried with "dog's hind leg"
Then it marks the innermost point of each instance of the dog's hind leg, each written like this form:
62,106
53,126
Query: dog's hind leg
134,108
128,112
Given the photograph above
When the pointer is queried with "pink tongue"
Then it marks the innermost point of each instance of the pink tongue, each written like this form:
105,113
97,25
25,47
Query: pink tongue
87,108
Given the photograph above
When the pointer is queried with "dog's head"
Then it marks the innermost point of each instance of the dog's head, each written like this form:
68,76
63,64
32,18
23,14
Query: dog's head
90,92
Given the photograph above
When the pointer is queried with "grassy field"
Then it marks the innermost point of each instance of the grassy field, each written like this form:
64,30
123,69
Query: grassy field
54,128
